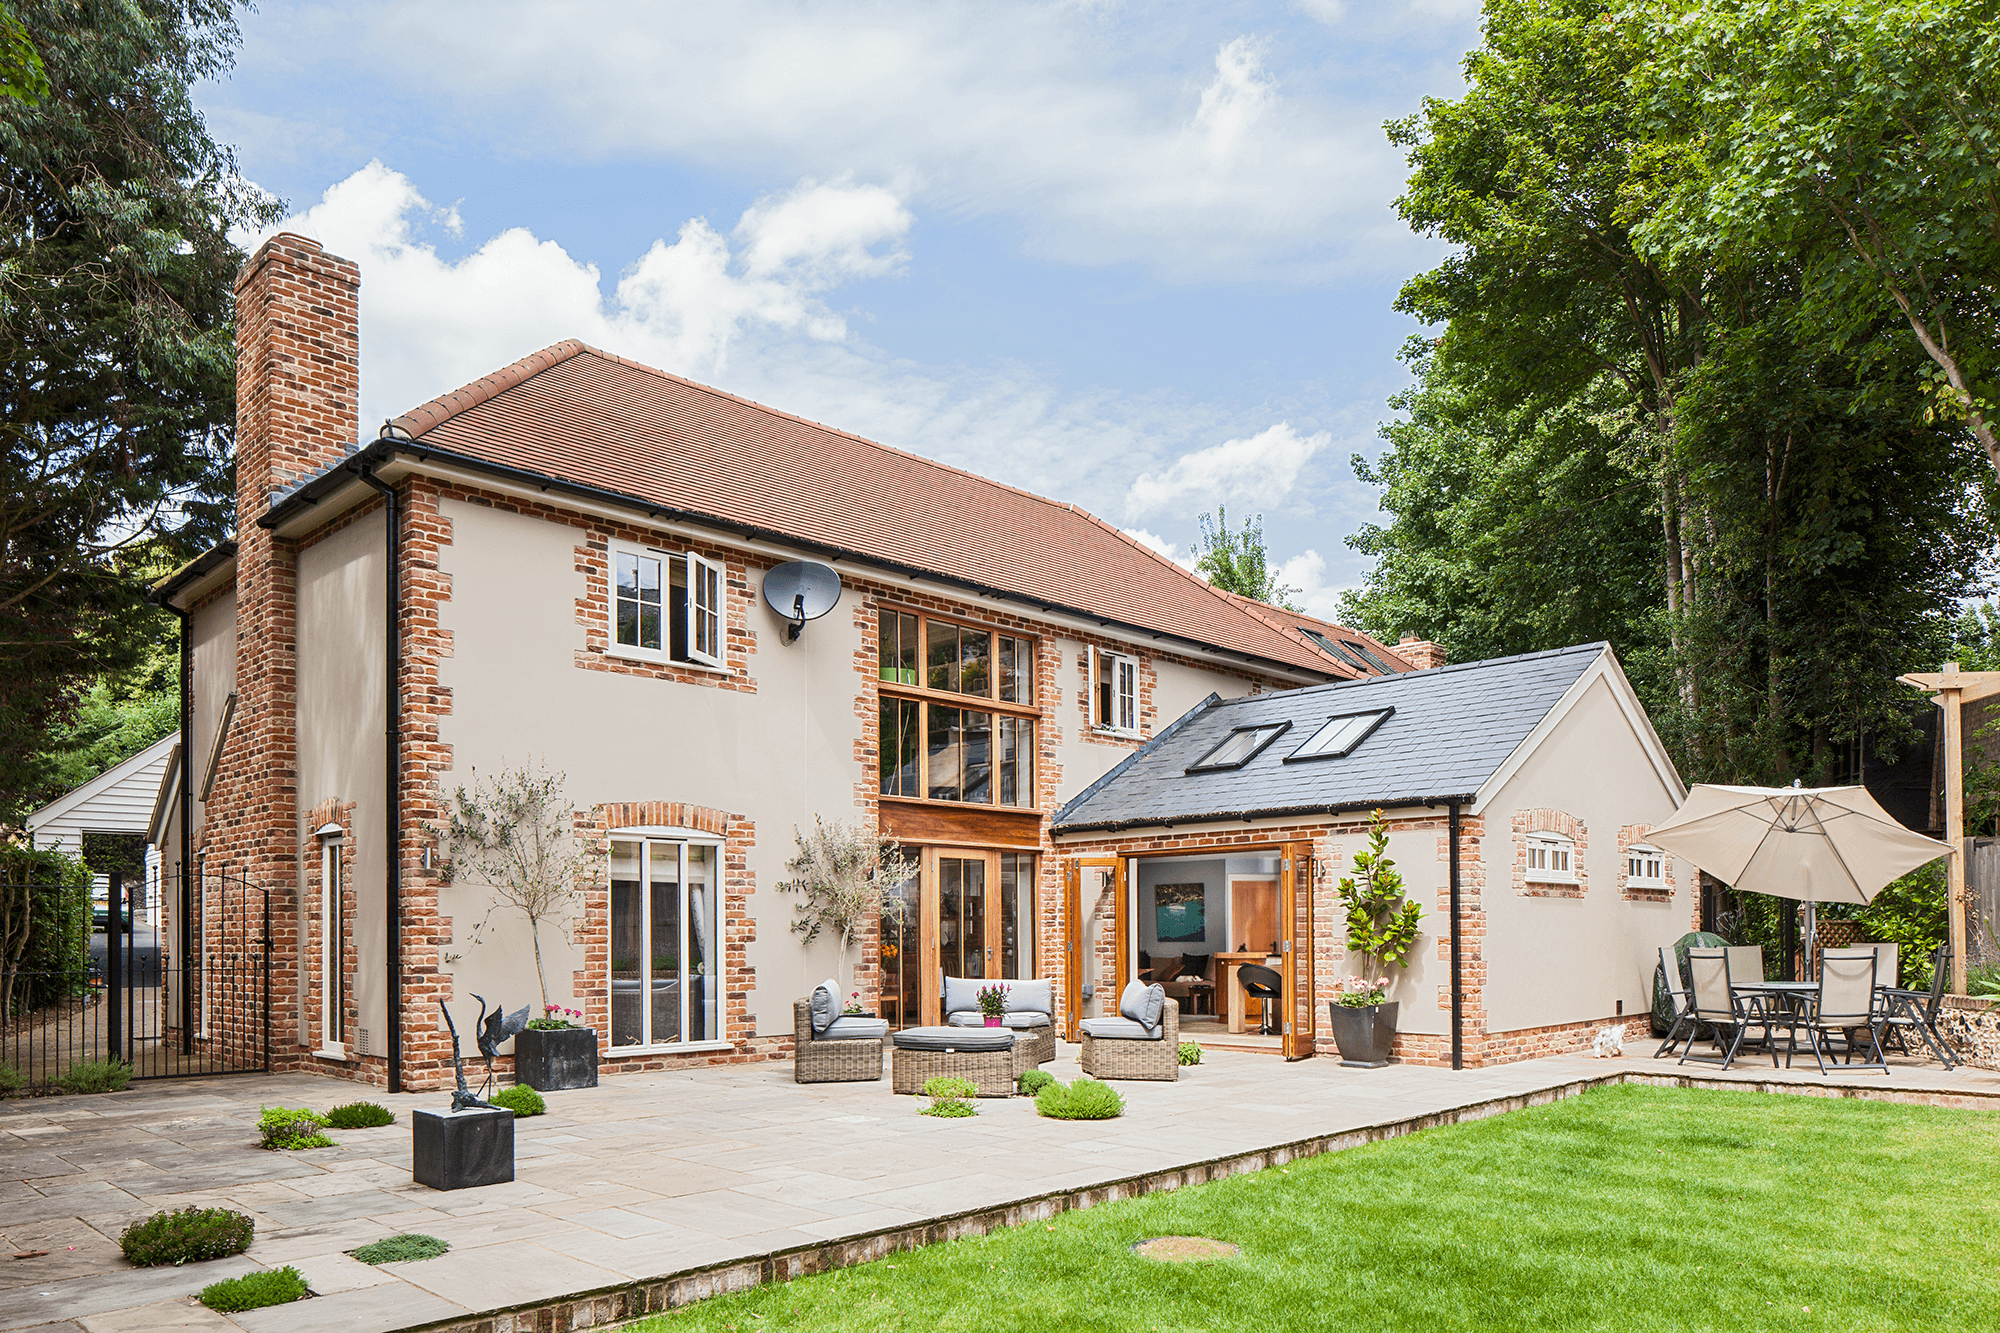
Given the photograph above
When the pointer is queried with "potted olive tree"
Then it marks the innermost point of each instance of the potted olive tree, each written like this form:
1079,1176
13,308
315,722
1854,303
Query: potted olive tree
1381,931
514,833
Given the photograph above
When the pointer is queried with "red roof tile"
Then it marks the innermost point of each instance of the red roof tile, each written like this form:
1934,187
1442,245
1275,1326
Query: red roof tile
579,415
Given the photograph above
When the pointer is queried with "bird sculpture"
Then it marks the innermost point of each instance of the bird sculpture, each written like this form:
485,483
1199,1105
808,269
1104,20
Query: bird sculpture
464,1098
497,1027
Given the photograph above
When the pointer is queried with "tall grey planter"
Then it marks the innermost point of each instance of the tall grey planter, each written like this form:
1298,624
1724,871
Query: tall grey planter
555,1061
1363,1034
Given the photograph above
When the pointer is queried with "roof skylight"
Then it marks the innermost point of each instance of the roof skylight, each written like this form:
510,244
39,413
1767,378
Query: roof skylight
1339,736
1364,651
1239,747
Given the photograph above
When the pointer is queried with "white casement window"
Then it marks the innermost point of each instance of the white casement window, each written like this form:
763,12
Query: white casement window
1645,867
1551,859
666,607
665,974
1114,681
333,942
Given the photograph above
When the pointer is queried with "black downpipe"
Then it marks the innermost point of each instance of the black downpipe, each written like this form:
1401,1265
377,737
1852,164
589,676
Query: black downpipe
392,614
1457,980
185,916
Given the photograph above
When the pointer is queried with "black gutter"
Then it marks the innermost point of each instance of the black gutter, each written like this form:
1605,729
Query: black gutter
392,791
216,556
1457,981
1273,812
185,913
309,493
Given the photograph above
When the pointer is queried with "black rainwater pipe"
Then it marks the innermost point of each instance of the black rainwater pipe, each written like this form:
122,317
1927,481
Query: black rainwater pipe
392,609
185,915
1457,980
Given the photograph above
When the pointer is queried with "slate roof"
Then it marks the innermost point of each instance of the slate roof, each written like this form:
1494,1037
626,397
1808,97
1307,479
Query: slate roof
1452,729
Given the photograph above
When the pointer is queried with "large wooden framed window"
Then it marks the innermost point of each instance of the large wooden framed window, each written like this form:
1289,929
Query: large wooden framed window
935,742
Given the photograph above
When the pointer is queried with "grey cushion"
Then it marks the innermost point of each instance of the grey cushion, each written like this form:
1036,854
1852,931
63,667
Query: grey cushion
825,1005
1015,1021
1143,1004
848,1026
961,994
954,1039
1031,997
1121,1029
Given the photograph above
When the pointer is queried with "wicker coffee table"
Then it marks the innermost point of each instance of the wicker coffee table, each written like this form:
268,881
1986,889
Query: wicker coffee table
986,1056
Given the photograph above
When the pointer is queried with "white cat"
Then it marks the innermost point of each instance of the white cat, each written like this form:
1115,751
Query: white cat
1609,1042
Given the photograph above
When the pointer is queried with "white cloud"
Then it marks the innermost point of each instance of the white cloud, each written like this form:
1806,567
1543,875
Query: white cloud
1305,573
1161,546
1259,471
1328,12
1101,137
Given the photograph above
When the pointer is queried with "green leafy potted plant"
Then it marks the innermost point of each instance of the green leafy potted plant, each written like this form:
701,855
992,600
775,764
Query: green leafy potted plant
1382,931
993,1003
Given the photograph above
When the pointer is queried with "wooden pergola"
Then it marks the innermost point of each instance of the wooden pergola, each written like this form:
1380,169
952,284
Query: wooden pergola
1951,689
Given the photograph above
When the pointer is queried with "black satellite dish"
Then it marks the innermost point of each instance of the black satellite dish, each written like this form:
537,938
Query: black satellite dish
801,590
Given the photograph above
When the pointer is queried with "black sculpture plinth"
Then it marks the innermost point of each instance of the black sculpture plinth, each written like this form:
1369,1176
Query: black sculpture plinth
455,1150
554,1061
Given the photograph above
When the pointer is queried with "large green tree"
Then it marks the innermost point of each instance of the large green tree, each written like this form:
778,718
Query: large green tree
1238,561
117,373
1597,392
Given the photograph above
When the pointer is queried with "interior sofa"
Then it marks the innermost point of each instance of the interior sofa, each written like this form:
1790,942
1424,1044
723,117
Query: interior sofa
1143,1042
831,1047
1029,1010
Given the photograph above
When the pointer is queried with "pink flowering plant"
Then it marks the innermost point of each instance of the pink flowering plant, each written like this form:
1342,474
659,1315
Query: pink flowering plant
993,999
555,1018
1359,992
853,1003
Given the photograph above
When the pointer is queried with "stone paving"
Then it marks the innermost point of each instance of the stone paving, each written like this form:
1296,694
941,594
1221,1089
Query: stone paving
650,1175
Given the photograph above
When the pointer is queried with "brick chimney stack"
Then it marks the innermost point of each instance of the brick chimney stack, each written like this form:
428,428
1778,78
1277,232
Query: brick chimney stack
298,368
298,334
1420,653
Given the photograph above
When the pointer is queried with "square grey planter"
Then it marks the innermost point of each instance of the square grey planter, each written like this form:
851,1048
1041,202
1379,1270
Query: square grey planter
556,1061
455,1150
1364,1035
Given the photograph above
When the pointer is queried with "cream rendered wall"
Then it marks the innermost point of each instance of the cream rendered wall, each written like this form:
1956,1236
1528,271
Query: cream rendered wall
213,630
1423,989
342,702
1565,960
779,755
1176,689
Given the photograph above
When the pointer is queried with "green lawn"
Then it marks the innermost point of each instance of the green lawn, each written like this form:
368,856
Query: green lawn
1626,1208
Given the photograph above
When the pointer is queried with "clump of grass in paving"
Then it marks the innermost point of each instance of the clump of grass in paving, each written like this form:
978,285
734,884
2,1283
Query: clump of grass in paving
359,1115
401,1249
521,1100
1625,1209
254,1291
1085,1099
1034,1080
951,1098
95,1076
292,1127
1188,1053
186,1236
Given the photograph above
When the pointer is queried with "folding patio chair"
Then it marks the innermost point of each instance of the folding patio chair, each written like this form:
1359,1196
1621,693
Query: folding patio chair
1719,1006
1845,1002
1916,1011
1683,1006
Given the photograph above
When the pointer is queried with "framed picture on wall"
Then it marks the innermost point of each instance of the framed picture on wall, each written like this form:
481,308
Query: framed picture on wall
1181,911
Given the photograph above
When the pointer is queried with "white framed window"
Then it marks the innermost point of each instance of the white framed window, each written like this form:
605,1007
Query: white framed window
1645,867
665,607
665,965
1114,691
333,929
1551,859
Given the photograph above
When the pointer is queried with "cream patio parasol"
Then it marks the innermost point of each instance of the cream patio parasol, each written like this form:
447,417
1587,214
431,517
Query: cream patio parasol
1820,844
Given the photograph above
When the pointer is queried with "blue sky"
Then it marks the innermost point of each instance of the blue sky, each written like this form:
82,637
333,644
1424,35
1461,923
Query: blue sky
1138,257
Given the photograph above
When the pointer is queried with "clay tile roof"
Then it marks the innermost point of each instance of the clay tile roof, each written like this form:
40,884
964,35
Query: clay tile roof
1286,620
579,415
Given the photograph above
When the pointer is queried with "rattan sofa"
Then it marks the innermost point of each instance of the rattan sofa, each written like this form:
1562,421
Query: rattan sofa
838,1056
1029,1012
1121,1048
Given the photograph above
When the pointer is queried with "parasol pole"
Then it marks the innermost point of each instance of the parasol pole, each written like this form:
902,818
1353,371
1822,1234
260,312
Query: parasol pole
1951,697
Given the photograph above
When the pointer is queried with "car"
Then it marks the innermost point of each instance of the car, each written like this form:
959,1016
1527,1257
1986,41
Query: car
100,917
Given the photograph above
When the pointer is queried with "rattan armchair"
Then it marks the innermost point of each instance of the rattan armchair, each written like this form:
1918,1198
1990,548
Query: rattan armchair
831,1059
1155,1058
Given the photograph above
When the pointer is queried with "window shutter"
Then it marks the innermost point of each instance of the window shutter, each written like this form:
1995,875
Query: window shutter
704,611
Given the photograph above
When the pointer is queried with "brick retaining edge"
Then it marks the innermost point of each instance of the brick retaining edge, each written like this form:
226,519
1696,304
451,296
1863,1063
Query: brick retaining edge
650,1296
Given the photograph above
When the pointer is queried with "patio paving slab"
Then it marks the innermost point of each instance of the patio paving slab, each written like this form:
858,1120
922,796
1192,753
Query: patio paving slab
652,1175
